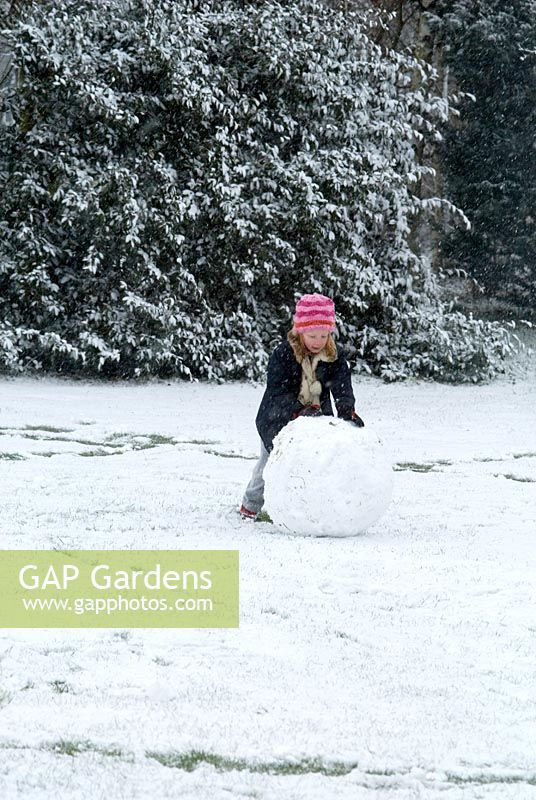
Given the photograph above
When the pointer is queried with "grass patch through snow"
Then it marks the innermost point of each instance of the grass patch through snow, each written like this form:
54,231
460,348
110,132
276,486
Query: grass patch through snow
195,758
48,428
519,478
190,761
114,444
68,747
61,687
263,516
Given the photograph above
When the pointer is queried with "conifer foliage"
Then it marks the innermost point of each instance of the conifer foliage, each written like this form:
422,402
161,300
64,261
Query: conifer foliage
179,172
489,157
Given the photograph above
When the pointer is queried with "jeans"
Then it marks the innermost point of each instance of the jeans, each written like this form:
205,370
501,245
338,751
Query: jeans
254,494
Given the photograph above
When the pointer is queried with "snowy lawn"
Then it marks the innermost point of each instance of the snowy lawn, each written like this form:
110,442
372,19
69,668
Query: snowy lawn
397,664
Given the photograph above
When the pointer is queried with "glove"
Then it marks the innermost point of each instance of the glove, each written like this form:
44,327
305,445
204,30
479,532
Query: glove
356,420
309,411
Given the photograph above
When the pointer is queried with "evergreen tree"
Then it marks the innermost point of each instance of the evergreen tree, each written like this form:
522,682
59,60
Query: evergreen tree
489,156
179,172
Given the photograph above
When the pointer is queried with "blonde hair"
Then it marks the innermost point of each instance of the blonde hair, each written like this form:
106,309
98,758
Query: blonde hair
295,340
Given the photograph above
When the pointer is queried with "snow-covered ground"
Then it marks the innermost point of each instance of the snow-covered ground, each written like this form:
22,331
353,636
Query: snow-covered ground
397,664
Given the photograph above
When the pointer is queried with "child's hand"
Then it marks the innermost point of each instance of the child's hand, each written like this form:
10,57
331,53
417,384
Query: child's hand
356,420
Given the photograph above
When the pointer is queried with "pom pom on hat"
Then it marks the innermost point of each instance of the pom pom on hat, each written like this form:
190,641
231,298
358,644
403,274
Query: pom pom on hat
314,312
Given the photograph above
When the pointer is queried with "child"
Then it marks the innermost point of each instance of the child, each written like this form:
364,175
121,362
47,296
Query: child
302,371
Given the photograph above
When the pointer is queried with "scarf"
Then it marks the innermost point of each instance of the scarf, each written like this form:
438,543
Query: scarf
311,388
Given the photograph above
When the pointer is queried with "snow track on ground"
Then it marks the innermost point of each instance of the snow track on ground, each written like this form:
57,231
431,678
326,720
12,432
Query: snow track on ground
397,664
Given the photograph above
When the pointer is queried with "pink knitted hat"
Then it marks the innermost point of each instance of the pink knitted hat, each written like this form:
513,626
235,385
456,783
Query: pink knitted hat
314,312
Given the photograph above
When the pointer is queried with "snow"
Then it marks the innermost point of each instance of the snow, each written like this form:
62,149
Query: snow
325,477
398,664
333,152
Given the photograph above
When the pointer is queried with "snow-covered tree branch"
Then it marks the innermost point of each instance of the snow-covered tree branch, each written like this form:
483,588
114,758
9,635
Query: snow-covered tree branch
179,172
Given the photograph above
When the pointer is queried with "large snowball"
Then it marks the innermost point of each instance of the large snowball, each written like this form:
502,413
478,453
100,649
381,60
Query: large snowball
326,477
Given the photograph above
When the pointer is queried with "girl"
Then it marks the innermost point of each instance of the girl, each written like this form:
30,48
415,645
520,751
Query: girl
302,371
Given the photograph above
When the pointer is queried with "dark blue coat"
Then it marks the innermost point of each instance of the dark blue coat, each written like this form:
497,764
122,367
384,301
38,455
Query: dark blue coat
280,401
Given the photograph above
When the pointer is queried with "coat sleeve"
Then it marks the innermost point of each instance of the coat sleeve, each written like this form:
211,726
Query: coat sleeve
280,401
340,386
